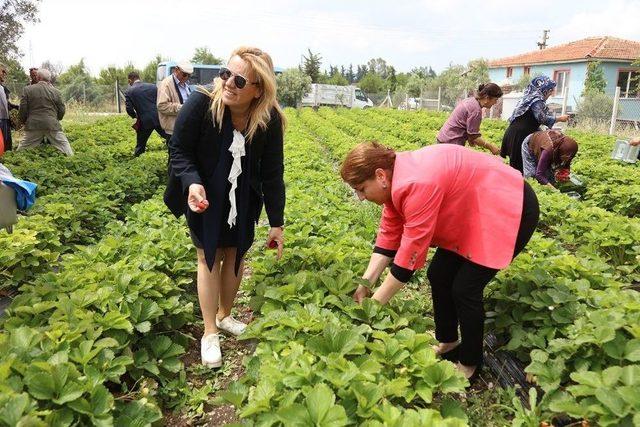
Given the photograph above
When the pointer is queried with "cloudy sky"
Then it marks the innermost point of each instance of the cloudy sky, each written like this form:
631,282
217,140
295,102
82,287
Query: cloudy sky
404,33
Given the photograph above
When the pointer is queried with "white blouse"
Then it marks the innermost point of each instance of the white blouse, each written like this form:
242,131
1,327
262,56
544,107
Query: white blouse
237,151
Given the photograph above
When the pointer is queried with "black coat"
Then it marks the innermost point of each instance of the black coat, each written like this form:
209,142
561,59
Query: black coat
199,153
140,100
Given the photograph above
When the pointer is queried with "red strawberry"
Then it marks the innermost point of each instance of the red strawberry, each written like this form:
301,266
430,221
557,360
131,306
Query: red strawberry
273,244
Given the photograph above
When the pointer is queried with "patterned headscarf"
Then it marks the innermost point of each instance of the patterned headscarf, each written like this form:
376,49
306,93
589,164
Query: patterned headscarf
535,92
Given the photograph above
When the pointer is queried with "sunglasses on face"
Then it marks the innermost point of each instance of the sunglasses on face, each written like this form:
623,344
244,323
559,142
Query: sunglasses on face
238,80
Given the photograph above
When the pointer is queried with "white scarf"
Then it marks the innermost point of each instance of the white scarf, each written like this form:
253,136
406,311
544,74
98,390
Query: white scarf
237,151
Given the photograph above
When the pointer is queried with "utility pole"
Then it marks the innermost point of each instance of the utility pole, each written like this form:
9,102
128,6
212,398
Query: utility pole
545,37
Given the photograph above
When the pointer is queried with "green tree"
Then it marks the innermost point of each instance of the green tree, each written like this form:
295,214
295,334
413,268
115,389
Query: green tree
109,75
361,71
79,69
414,84
76,84
423,72
372,83
522,82
311,65
392,79
203,55
595,81
55,69
149,72
337,79
378,66
16,79
13,15
293,84
594,107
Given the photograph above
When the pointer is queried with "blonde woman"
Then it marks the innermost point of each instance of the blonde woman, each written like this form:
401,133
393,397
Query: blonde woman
226,160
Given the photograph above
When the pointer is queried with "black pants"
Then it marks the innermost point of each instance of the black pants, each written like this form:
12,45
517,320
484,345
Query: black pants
457,285
142,136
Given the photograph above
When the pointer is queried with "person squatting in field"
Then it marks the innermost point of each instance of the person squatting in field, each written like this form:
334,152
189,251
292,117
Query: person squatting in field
477,211
464,122
226,159
547,156
530,112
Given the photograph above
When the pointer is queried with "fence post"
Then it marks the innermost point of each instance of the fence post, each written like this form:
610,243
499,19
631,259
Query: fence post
565,97
118,96
420,105
439,98
614,113
84,94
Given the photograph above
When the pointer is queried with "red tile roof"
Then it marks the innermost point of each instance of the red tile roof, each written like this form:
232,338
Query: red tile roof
585,49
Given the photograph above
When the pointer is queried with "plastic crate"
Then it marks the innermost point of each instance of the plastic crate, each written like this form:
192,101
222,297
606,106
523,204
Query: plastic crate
624,152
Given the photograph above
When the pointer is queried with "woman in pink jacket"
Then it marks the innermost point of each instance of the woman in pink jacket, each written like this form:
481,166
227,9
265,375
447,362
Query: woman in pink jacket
477,211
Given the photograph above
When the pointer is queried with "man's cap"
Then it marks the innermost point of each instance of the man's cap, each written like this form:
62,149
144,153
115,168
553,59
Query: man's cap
186,67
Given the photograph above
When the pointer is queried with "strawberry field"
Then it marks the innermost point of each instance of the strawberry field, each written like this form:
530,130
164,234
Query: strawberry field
104,326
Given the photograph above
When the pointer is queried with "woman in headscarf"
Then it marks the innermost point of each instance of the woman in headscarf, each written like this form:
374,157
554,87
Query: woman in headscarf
529,114
546,154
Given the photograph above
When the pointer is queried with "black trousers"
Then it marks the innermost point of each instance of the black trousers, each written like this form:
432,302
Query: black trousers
457,286
142,136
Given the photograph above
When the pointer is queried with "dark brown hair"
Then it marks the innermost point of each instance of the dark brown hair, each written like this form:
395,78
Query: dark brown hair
489,90
363,160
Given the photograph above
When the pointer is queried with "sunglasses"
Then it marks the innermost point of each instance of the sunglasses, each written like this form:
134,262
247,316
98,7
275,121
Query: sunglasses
240,81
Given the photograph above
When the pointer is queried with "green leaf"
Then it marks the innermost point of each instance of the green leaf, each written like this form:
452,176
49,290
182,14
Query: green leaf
319,400
632,350
612,401
295,415
41,386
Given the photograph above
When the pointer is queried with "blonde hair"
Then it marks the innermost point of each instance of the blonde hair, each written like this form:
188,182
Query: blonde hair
260,109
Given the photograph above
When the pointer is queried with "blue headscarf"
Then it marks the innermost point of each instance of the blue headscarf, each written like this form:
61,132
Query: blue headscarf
533,93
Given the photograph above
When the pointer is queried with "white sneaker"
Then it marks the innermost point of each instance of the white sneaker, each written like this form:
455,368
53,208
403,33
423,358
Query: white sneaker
231,325
210,351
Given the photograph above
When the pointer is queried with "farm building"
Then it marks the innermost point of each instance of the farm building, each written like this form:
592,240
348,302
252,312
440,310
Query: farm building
567,65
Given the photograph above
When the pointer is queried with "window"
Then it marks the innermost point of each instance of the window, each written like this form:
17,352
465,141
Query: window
561,78
160,75
629,83
203,76
509,72
360,95
526,70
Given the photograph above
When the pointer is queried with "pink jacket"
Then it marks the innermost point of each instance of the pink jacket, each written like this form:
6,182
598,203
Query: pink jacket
455,198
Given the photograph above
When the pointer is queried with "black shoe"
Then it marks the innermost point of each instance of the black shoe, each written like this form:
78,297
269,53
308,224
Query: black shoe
451,355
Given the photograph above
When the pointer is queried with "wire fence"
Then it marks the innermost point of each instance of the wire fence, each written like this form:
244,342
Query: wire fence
88,96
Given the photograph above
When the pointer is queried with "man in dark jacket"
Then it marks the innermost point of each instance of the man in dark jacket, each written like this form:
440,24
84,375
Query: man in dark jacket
140,100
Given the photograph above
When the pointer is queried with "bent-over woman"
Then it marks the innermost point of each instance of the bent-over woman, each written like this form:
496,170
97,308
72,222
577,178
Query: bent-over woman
546,152
226,158
478,212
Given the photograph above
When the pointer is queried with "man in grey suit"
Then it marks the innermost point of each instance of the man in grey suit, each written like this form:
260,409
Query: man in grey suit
41,109
140,100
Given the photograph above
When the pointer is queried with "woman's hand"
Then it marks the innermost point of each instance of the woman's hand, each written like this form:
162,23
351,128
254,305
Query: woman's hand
276,239
563,118
361,293
635,142
197,199
494,150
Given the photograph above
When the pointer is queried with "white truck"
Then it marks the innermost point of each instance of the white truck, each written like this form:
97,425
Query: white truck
336,96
